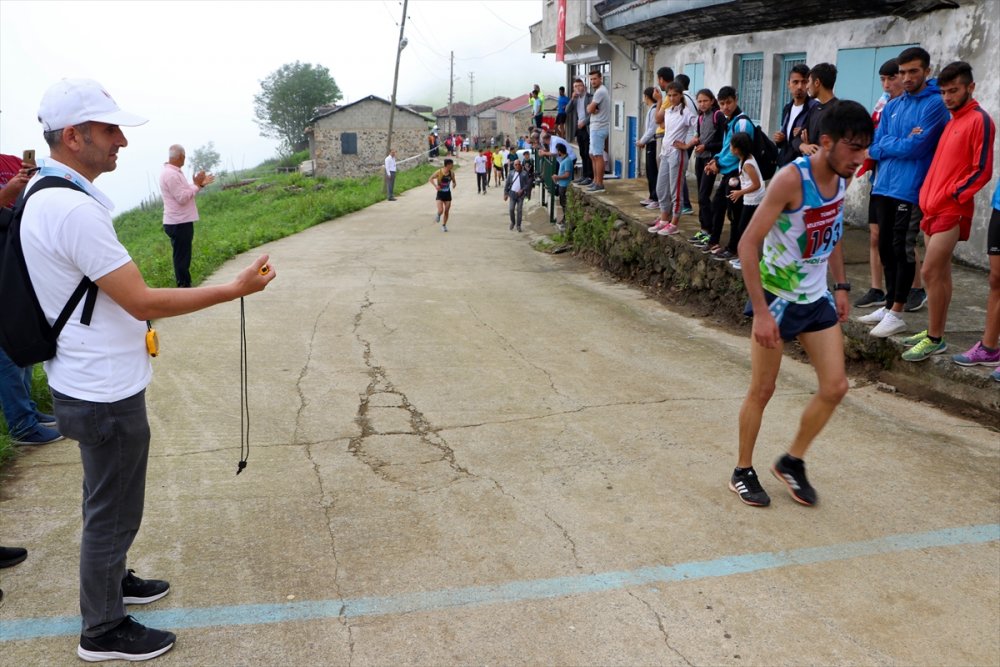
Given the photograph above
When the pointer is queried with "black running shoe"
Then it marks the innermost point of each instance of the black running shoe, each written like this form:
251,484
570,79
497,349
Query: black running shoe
748,487
130,640
142,591
793,473
873,297
915,300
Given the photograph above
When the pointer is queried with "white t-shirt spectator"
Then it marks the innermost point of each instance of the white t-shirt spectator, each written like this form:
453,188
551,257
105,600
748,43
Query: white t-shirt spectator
67,235
601,120
480,164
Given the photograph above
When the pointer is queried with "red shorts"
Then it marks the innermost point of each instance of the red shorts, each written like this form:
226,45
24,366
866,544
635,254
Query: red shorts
936,224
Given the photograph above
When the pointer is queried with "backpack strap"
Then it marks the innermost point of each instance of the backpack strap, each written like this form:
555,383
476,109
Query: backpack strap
87,286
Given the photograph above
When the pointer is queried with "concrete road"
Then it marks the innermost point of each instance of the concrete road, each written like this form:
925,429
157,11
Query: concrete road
465,451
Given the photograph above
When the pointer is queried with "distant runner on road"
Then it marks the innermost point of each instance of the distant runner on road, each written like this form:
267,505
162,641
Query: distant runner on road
444,181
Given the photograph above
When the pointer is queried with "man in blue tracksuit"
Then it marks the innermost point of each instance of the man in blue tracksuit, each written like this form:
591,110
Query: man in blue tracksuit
904,144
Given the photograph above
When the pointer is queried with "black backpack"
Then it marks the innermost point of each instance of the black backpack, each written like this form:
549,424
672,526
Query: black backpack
25,333
765,152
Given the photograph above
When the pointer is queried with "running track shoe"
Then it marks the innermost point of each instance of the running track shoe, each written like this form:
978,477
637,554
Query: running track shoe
793,473
747,487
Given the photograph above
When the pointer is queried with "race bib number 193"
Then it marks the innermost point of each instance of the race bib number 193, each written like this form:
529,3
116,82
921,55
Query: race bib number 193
824,226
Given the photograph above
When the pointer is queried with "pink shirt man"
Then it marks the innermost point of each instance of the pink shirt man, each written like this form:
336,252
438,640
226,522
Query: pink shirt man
178,196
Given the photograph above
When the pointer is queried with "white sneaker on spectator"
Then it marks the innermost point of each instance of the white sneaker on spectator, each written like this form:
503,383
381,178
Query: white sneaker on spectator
874,317
890,324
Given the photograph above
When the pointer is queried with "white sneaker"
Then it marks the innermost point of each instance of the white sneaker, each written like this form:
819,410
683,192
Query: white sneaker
874,317
889,325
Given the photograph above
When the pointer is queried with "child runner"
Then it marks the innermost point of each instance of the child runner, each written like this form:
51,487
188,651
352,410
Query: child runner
800,224
498,174
444,182
677,122
480,167
710,130
751,191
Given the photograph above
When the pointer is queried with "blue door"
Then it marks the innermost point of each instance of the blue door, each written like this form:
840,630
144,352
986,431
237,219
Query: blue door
631,137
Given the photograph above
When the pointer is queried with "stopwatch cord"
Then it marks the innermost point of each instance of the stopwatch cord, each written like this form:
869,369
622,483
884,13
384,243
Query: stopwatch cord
244,394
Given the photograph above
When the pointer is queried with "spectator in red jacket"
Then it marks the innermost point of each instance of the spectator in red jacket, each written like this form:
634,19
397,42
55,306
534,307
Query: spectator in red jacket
962,166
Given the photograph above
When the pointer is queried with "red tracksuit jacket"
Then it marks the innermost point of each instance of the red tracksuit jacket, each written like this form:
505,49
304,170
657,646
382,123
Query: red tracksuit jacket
962,165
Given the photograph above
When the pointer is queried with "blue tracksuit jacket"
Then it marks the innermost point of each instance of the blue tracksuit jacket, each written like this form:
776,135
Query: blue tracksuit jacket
904,158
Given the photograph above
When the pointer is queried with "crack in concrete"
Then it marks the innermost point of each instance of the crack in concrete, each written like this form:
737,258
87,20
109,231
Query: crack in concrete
663,629
598,406
513,350
568,538
379,383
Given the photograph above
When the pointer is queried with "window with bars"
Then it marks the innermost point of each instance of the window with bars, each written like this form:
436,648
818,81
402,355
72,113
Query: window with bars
751,84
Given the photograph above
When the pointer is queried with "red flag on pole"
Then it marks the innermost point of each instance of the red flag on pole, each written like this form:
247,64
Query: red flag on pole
561,32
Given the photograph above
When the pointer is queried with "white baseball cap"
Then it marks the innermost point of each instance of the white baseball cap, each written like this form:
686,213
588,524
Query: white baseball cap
74,101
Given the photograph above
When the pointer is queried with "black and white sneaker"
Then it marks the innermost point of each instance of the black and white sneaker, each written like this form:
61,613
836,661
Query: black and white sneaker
792,472
130,640
747,486
142,591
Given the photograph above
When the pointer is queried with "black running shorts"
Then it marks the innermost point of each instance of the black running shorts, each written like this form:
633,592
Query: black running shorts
796,318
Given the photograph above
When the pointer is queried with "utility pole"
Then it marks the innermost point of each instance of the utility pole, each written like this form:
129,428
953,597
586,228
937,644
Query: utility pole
472,107
451,89
395,78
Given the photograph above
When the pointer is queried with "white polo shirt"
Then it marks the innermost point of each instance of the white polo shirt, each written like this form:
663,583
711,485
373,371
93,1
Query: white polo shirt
67,235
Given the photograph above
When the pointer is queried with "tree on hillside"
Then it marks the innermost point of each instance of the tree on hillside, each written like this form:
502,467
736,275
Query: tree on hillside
289,96
205,158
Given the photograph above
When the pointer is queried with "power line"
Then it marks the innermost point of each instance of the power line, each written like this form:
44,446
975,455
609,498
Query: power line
500,50
394,21
487,7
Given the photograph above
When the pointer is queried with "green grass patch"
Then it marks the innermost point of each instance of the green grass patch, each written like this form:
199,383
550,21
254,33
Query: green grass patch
237,219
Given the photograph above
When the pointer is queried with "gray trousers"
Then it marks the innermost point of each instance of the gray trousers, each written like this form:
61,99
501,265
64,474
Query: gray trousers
670,181
114,448
515,205
390,182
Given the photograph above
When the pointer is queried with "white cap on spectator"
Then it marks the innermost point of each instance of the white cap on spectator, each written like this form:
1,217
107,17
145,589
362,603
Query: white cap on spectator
75,101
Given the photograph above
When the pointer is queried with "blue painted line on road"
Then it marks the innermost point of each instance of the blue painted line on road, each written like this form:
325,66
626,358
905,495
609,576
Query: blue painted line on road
517,591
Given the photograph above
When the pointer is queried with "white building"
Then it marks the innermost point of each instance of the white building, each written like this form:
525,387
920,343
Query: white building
752,44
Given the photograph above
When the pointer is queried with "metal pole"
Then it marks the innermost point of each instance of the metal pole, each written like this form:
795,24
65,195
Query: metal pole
395,79
451,89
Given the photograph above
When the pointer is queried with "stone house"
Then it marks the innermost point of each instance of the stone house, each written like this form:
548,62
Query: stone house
460,112
349,141
483,121
514,117
753,44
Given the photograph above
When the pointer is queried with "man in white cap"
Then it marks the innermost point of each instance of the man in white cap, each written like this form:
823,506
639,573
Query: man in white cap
101,367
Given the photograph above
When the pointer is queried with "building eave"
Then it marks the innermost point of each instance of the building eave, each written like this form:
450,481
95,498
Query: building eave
651,23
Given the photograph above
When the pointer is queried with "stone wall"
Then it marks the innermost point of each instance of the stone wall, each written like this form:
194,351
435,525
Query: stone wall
623,246
673,268
369,120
